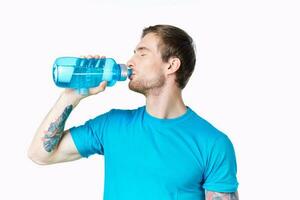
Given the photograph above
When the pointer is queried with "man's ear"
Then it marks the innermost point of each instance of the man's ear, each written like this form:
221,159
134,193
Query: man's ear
174,64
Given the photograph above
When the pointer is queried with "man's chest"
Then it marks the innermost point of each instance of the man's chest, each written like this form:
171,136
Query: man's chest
163,158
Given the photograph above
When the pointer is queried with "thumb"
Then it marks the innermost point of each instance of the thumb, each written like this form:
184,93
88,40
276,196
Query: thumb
99,88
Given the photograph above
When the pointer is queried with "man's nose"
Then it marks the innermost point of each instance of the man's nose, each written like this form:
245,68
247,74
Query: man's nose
130,63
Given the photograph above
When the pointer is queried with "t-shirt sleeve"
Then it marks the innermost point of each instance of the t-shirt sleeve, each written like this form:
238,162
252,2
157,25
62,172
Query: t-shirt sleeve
88,138
220,172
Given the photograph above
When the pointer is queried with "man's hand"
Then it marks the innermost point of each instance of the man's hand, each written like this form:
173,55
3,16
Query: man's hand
102,85
92,91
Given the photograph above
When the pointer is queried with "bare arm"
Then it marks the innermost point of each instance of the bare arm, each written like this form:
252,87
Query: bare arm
51,131
51,143
211,195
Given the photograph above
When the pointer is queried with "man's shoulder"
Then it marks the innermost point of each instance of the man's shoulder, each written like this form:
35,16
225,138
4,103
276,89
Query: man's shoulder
205,128
126,113
122,111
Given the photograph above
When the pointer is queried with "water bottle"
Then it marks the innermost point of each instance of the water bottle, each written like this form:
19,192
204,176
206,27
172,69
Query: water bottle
84,73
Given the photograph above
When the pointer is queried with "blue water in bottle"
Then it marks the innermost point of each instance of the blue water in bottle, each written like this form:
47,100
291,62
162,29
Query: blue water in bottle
84,73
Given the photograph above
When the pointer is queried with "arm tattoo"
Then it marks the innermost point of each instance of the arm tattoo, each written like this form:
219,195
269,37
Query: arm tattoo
210,195
55,131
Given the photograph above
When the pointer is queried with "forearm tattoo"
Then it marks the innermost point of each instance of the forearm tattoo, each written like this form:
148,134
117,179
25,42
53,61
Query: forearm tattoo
210,195
55,131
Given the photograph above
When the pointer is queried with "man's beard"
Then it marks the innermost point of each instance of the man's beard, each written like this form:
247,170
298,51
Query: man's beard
146,86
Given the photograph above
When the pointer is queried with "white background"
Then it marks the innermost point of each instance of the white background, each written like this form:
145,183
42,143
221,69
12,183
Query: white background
246,82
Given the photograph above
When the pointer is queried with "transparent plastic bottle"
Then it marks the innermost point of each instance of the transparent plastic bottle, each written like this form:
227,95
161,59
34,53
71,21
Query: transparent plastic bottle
84,73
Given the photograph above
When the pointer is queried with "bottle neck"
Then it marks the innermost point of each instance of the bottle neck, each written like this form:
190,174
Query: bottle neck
125,72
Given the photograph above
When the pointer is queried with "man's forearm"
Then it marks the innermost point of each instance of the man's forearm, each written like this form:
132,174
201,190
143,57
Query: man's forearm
55,131
51,130
210,195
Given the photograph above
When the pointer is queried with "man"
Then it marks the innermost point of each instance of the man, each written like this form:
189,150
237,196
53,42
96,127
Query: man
160,151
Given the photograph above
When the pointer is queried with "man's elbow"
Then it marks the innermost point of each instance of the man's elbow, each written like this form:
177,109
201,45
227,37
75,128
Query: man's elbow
36,158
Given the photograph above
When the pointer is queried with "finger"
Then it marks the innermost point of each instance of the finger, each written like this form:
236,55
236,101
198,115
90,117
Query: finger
103,85
97,56
99,88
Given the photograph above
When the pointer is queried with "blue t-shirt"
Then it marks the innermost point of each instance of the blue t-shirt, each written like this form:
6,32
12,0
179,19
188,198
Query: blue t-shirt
150,158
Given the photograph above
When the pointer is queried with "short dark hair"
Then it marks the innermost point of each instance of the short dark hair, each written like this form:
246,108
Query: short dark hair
175,42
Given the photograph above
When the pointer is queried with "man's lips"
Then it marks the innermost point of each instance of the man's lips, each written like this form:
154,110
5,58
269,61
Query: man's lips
132,75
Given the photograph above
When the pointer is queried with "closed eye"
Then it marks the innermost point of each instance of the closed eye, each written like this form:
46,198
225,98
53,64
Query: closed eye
142,51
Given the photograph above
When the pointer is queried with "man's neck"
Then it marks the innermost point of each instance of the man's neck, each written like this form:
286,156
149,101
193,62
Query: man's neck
167,104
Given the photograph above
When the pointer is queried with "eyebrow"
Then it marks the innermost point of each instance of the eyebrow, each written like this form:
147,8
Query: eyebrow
141,49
